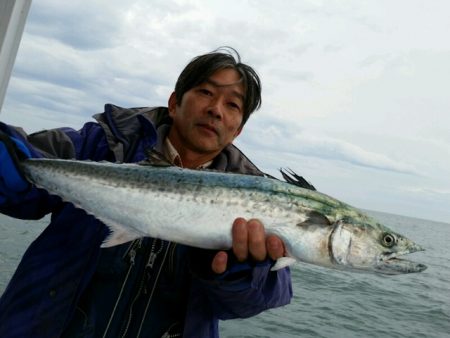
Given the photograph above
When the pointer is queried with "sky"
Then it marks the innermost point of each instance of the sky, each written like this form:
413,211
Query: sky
355,93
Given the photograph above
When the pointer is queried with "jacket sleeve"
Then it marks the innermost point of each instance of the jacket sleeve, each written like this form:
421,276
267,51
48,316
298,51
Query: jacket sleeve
244,290
115,137
87,143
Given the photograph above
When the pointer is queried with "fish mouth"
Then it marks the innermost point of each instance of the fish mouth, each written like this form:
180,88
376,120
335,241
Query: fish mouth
390,264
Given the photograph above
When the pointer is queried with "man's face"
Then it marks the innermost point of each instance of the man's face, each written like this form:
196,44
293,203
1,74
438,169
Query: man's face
209,116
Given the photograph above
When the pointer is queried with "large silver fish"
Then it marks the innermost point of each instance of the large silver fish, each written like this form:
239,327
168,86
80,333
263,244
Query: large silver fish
197,208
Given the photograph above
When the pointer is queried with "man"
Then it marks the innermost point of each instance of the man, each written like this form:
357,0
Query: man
67,286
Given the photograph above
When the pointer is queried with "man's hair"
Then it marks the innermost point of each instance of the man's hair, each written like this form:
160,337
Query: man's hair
202,67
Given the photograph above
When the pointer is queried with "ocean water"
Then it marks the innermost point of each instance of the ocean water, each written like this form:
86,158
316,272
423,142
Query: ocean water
327,303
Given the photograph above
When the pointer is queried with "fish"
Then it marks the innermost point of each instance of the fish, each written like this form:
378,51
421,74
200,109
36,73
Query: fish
197,208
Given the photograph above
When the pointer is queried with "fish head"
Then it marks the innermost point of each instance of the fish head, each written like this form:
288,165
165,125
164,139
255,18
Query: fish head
371,247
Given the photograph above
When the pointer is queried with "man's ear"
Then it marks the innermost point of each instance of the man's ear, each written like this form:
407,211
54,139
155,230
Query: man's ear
172,104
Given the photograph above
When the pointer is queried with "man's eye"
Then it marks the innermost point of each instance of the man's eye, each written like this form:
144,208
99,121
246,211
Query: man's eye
234,105
205,91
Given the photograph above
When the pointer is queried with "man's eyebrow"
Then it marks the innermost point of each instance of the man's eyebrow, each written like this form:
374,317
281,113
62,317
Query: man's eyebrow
234,92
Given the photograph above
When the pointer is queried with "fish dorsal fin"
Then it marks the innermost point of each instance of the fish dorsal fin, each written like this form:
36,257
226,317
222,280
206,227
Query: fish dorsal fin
291,177
156,158
315,218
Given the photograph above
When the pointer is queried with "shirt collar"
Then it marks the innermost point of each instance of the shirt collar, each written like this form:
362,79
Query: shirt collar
173,156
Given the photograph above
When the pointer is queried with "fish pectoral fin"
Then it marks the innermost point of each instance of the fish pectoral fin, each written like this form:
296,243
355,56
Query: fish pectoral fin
315,218
282,263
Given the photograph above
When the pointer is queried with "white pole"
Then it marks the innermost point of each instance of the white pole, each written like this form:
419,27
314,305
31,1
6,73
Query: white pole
13,14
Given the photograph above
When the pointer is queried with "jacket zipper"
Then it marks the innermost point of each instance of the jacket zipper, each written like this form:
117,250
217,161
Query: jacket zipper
131,252
171,267
154,284
146,276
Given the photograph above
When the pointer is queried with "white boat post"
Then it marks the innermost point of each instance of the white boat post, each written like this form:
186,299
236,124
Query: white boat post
13,15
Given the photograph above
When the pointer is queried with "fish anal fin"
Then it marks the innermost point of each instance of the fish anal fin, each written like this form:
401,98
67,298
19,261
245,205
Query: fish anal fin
119,235
282,263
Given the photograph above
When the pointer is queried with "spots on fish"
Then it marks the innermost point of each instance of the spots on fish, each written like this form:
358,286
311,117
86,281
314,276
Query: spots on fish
177,194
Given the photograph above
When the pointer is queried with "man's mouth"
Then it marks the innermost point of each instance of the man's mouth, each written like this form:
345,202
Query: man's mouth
208,127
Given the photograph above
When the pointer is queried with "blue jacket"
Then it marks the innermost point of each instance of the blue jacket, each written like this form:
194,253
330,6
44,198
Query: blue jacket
67,286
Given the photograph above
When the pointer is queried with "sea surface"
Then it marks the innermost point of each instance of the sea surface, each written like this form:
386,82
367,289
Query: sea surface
327,303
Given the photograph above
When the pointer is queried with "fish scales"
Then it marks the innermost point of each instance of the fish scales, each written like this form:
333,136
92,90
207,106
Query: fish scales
197,208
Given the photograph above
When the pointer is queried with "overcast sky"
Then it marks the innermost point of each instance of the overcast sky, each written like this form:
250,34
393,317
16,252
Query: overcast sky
355,93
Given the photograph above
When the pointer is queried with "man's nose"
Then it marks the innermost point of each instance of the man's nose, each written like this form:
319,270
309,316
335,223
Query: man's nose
215,108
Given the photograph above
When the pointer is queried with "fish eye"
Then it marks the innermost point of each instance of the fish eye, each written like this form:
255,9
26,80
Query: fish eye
388,240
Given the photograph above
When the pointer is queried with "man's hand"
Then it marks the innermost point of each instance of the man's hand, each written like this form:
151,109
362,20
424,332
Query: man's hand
249,241
11,179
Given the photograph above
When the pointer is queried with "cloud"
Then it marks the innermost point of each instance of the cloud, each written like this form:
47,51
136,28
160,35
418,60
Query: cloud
278,137
293,75
428,191
80,24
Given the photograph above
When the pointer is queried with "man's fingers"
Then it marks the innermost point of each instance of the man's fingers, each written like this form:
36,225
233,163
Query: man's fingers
275,247
240,239
256,240
219,263
249,240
